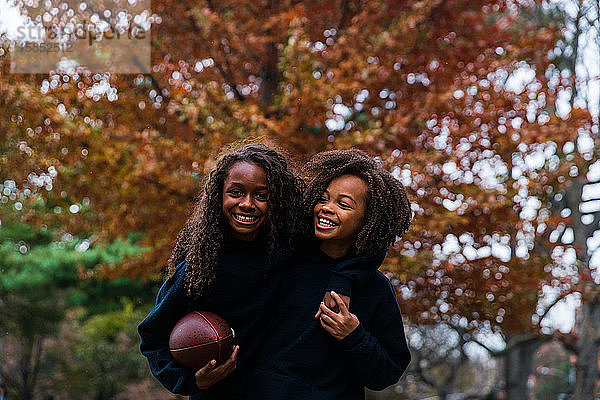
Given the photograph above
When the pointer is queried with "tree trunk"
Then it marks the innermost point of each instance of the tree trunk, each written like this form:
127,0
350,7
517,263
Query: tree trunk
29,367
269,75
575,45
442,395
587,349
24,389
518,366
588,319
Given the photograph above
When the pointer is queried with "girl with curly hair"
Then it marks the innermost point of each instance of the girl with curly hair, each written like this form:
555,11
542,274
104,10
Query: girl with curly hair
350,208
229,259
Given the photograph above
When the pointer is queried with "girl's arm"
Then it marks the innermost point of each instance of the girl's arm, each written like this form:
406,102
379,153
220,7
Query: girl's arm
354,272
348,273
155,329
379,356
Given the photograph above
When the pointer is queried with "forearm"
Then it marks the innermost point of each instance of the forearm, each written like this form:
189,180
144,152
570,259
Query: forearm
174,377
154,331
354,272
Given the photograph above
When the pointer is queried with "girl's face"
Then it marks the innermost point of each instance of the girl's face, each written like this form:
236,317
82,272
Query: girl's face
339,214
245,199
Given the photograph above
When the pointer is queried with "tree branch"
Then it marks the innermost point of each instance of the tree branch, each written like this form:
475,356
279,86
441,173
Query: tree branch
170,191
494,353
228,77
555,302
461,331
36,361
342,23
541,247
574,57
226,74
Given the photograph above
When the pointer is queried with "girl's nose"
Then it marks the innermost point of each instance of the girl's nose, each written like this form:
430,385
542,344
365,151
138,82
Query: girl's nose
327,208
246,202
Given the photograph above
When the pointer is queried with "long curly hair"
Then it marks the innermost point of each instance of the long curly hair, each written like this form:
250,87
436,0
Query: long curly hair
388,214
200,241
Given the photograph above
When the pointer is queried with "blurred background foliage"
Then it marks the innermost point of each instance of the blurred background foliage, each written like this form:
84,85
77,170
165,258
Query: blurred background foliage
486,111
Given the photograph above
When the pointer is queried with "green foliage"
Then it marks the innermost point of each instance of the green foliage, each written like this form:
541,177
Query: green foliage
98,357
555,382
31,263
48,275
12,232
101,296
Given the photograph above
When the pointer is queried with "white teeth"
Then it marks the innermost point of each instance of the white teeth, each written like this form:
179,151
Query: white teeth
326,222
244,218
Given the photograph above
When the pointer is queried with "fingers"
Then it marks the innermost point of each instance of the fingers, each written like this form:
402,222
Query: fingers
339,302
207,368
230,361
208,375
330,313
326,298
234,353
327,328
339,325
328,320
225,369
330,302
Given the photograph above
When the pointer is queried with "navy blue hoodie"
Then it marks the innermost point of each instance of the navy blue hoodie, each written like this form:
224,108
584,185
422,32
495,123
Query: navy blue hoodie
245,295
300,360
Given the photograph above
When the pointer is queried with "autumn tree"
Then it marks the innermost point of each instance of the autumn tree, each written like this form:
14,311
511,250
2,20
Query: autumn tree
457,99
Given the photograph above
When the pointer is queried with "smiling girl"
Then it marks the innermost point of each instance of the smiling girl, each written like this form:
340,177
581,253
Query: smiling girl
351,207
229,259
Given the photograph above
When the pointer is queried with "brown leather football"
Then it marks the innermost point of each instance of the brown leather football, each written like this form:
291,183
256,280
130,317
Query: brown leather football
199,337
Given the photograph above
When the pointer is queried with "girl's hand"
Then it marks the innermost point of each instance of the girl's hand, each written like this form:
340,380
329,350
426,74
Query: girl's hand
208,375
341,324
331,304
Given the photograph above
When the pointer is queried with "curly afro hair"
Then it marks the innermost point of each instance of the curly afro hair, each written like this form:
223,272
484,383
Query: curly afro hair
388,213
200,241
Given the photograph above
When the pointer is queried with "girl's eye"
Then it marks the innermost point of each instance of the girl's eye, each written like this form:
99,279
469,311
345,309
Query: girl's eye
235,192
261,196
344,205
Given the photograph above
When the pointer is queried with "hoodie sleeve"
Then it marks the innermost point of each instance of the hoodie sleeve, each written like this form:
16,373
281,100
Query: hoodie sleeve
155,329
379,355
354,272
